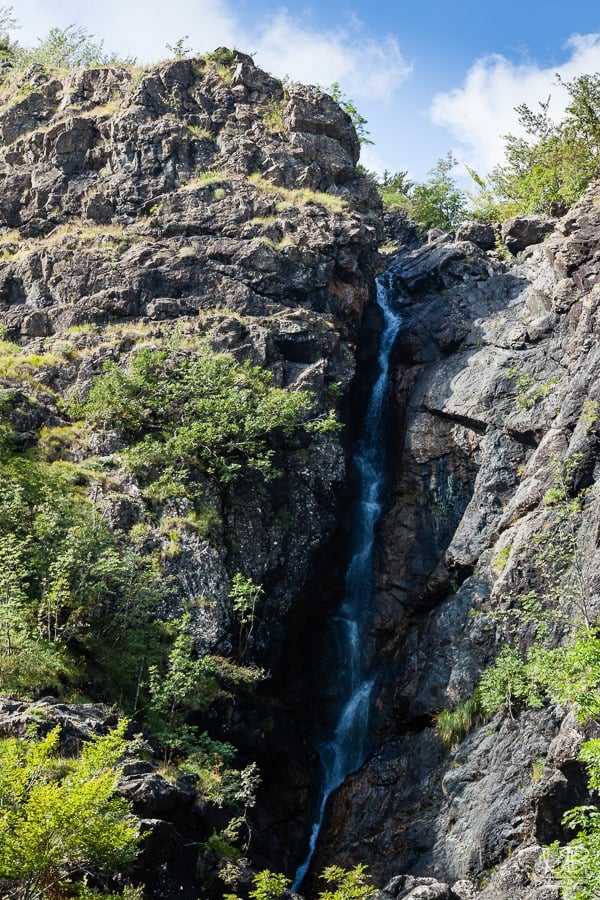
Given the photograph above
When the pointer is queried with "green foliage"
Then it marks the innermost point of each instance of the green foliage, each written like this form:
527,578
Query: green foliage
269,886
566,675
180,48
577,866
505,684
574,675
435,203
395,189
438,203
68,585
547,170
7,24
272,115
65,48
349,884
528,392
453,725
244,596
205,413
60,820
575,678
185,685
222,56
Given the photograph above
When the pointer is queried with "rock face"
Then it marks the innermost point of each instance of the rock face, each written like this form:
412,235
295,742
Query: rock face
520,232
496,395
205,194
199,203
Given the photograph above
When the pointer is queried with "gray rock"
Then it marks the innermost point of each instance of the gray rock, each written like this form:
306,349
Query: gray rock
520,232
497,397
479,233
151,795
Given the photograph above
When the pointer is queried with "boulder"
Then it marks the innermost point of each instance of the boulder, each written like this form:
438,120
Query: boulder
520,232
479,233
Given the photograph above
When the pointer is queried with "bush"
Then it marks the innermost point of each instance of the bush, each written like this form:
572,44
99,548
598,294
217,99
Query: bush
69,586
207,413
60,821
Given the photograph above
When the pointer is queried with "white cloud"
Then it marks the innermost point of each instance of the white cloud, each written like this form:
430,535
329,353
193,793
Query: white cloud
139,28
366,67
481,111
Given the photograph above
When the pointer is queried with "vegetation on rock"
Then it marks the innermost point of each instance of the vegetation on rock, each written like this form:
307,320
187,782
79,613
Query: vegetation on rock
63,831
205,412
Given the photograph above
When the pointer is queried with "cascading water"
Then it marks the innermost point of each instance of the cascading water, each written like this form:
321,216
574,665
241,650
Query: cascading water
345,751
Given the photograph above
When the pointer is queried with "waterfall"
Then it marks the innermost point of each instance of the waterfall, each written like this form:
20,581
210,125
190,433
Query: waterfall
345,751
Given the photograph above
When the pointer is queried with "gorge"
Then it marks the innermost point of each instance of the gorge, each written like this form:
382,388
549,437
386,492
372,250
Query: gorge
344,752
200,212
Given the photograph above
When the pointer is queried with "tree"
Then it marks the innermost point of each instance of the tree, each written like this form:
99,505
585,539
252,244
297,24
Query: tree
438,202
434,203
7,23
180,48
245,596
549,168
60,821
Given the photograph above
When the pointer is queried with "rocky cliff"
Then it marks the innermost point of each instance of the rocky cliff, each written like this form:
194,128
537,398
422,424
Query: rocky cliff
201,199
491,531
195,208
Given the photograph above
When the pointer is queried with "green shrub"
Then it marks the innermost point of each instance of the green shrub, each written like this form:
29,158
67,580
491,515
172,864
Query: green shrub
184,685
59,818
453,725
349,884
223,56
69,586
205,413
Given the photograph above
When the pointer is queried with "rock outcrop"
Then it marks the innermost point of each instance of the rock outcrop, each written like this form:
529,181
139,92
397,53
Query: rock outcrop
200,195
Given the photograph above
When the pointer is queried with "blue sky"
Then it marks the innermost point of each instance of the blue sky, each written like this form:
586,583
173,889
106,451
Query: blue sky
428,75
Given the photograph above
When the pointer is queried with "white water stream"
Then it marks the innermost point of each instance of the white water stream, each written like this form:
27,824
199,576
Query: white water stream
345,751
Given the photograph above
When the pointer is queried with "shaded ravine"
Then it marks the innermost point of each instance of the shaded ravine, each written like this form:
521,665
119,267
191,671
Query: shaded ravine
345,751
